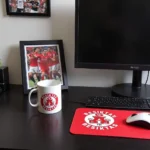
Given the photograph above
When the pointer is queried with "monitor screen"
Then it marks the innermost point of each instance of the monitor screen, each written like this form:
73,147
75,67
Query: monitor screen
113,32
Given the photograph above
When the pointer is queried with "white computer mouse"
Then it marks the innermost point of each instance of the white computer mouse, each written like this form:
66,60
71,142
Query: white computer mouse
139,119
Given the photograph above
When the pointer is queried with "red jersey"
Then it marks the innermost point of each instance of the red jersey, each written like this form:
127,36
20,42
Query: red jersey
33,60
43,63
42,2
50,62
56,58
53,54
49,54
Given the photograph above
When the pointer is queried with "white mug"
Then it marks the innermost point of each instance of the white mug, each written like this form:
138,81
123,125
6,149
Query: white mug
49,96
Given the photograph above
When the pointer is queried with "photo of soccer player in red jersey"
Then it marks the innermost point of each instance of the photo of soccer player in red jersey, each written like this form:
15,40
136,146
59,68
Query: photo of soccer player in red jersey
27,7
42,62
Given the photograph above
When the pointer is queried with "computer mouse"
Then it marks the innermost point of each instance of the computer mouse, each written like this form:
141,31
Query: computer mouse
140,119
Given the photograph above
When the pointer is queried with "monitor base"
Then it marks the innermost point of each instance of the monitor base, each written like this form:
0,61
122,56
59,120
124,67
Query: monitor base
127,90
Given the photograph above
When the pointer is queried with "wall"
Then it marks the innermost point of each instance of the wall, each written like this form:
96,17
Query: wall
14,29
59,26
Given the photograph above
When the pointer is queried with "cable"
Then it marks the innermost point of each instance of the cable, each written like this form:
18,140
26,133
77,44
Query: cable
147,78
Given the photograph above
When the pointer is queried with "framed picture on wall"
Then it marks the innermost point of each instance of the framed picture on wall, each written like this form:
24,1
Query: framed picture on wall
42,60
28,7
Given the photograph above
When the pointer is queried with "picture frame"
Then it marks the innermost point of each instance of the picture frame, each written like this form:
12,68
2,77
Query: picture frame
42,60
28,8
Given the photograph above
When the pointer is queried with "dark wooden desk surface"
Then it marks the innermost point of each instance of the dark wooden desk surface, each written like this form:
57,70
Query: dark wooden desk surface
23,127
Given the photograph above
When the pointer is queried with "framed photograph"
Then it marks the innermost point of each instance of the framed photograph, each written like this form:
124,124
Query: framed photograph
42,60
28,7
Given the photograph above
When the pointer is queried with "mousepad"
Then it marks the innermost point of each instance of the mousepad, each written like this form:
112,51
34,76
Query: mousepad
106,122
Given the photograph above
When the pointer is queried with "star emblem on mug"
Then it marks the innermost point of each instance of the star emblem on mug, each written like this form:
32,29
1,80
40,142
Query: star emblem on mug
49,101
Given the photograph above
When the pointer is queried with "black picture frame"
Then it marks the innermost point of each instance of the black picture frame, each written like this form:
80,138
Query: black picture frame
19,13
25,46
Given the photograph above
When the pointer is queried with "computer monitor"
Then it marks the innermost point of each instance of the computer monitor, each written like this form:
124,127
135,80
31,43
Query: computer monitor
114,34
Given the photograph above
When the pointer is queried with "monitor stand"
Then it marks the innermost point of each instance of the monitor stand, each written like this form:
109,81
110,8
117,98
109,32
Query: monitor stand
136,89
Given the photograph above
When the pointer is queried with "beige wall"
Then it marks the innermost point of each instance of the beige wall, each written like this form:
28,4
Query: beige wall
59,26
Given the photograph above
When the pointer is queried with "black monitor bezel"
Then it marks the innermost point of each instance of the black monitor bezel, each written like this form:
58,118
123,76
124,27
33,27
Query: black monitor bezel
79,64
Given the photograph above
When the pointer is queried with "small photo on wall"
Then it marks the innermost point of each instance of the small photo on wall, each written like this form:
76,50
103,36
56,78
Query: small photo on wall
28,7
42,60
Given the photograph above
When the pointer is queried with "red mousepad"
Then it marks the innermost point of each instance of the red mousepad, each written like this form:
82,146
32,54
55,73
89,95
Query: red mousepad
106,122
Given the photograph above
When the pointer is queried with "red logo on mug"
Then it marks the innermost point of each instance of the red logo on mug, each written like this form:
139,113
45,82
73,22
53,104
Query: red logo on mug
49,101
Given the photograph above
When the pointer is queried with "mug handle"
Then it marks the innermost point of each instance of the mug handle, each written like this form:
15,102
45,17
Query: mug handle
29,98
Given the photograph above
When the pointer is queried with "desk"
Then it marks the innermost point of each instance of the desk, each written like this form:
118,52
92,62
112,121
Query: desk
22,126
